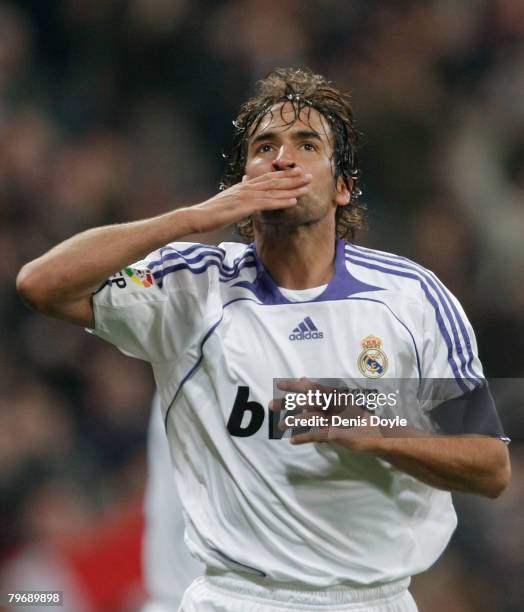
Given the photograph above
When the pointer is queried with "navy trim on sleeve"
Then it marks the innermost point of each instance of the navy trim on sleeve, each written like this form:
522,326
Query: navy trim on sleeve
471,413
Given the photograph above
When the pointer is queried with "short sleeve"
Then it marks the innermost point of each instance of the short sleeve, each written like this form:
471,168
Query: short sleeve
449,350
153,309
455,393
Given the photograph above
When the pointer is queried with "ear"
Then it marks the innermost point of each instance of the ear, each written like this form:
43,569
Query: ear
343,192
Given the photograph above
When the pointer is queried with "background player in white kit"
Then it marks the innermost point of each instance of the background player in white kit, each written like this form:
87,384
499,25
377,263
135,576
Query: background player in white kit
168,567
338,526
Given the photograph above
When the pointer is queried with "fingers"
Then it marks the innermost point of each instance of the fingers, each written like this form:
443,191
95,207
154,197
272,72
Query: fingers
294,385
292,172
314,435
277,198
295,419
311,420
274,190
311,400
317,429
295,192
300,385
285,182
312,395
281,179
276,404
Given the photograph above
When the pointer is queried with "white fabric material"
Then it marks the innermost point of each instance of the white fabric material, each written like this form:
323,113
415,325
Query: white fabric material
233,594
217,335
168,566
158,606
302,295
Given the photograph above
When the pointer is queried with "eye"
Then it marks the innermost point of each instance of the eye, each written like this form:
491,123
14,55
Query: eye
264,148
309,146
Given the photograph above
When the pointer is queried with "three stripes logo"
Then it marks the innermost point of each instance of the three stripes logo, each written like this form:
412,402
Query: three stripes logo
306,330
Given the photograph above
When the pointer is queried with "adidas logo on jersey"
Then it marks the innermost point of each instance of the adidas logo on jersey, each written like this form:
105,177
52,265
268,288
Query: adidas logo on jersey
306,330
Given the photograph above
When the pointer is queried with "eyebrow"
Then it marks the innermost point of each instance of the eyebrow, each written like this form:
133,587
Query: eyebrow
298,135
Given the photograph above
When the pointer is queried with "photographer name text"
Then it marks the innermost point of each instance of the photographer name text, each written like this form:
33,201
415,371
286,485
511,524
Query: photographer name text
339,421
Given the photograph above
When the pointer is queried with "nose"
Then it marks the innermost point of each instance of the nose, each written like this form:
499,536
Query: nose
284,160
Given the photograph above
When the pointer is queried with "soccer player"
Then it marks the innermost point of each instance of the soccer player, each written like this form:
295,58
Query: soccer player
340,525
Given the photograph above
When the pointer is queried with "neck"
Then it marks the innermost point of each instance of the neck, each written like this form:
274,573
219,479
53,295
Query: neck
299,258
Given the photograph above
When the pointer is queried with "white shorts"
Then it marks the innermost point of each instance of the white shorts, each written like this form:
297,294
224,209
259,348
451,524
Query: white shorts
234,593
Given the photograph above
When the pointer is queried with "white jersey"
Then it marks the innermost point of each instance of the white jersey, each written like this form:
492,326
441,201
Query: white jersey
217,331
169,568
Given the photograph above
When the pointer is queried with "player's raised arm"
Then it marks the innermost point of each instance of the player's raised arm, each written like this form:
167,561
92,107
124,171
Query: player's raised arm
76,268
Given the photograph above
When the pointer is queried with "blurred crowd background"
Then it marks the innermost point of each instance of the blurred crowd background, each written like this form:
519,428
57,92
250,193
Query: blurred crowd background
114,110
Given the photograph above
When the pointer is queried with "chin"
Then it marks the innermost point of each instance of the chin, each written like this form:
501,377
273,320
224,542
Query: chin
278,217
282,220
295,215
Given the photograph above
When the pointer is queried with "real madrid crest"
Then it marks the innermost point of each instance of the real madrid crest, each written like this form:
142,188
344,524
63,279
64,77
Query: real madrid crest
372,361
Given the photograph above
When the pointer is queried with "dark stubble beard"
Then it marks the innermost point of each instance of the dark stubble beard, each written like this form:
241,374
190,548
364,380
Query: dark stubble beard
304,214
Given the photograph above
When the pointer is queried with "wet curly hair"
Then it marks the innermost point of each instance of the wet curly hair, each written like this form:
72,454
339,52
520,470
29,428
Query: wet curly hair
306,90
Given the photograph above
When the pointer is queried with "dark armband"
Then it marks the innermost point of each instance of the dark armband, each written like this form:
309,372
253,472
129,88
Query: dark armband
472,413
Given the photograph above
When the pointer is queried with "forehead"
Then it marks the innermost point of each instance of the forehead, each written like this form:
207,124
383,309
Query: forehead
285,116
